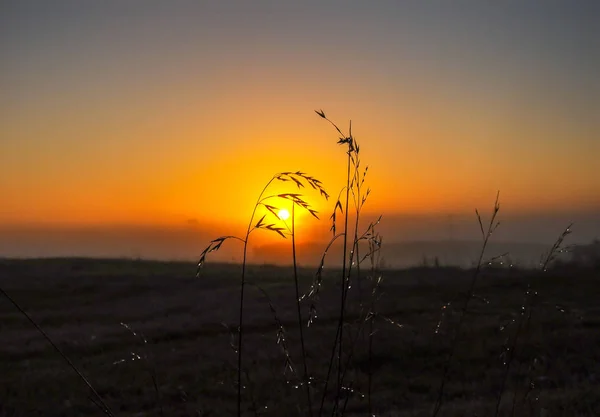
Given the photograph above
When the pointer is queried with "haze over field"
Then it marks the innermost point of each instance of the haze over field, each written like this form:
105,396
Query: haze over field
146,128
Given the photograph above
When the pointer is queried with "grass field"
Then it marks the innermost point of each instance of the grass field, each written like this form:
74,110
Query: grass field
82,303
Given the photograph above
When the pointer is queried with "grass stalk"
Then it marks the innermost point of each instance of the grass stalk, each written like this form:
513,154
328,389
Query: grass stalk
344,288
374,241
96,399
300,325
150,362
241,329
241,314
338,341
354,182
527,307
375,258
463,312
297,178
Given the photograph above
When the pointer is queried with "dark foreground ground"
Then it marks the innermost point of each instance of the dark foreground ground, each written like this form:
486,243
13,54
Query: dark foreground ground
555,370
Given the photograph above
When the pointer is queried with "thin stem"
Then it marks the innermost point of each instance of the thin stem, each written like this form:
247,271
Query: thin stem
438,403
356,254
339,330
157,391
235,238
527,306
349,359
486,237
150,362
330,367
371,322
370,365
370,316
242,285
507,369
306,381
344,287
530,376
353,253
98,399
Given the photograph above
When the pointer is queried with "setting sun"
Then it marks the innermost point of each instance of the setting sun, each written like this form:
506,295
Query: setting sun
283,214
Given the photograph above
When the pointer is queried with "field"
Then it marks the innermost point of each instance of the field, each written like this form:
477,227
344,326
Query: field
81,304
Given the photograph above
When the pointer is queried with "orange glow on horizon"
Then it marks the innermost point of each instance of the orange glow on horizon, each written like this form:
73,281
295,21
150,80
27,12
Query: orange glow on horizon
168,167
170,121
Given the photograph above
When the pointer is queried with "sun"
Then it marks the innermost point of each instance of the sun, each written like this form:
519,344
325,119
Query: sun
283,214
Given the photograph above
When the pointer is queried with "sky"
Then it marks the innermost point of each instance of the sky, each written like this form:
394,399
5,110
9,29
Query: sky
131,115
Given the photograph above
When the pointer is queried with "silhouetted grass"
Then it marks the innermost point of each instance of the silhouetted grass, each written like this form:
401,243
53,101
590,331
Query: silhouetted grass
266,222
387,353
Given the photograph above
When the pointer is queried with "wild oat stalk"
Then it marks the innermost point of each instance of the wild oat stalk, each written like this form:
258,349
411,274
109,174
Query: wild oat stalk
299,179
338,343
486,234
359,199
344,283
355,179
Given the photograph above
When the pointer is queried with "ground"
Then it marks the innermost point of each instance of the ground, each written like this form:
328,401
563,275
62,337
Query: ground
85,306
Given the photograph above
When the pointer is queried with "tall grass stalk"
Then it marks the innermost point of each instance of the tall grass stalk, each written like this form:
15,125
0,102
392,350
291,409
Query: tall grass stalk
373,255
338,340
486,234
96,398
374,241
343,286
375,258
299,179
355,260
350,258
527,308
300,323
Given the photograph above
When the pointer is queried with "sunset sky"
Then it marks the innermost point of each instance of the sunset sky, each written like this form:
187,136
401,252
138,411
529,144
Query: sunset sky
167,113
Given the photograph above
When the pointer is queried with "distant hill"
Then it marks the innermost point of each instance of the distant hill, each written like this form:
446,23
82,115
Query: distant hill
187,242
403,254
